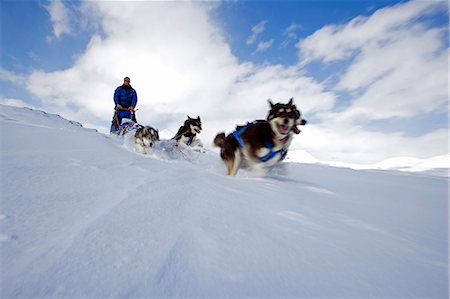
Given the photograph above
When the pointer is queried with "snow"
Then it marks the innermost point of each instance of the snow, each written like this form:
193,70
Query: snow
438,165
83,216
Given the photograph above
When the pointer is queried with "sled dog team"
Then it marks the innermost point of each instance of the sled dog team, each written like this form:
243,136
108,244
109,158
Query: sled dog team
261,143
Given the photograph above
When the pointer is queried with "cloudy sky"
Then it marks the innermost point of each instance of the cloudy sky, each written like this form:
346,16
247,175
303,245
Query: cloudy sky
371,77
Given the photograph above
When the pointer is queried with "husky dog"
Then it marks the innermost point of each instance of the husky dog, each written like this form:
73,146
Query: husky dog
262,143
144,138
187,133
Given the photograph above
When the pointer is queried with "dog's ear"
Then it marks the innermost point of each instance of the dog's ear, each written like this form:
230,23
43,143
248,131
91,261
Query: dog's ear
270,103
189,117
296,111
290,101
198,117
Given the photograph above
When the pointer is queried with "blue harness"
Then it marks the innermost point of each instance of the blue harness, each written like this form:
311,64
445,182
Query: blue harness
189,142
237,134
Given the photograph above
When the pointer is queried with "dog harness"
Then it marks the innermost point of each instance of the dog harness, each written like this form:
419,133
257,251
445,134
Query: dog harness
190,135
237,134
189,142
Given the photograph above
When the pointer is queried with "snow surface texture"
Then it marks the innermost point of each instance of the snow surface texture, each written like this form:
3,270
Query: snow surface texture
82,216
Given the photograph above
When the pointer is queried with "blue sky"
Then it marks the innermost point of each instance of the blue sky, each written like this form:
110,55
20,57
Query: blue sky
57,54
26,26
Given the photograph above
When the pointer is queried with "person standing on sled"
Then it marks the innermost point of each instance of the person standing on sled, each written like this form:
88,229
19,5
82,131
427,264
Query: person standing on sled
125,99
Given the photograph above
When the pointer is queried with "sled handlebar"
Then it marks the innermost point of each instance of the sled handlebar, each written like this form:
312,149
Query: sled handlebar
134,110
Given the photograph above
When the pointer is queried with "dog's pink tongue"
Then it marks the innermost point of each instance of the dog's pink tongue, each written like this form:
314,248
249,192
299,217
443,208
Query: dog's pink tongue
296,130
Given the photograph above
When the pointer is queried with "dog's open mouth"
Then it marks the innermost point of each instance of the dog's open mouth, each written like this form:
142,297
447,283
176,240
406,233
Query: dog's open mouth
197,130
283,129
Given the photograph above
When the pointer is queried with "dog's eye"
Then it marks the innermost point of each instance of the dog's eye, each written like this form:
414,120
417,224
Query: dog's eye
290,114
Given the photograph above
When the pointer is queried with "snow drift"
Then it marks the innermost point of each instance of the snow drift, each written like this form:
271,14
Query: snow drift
83,216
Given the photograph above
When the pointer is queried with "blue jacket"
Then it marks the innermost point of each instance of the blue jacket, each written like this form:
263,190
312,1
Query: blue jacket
125,96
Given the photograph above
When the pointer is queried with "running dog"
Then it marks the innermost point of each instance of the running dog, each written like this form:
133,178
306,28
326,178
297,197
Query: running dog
187,133
261,143
144,138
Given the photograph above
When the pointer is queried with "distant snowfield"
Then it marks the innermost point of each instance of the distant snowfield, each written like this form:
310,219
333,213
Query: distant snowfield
82,216
438,165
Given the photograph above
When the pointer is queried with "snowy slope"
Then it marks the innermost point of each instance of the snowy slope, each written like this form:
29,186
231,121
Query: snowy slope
437,165
82,216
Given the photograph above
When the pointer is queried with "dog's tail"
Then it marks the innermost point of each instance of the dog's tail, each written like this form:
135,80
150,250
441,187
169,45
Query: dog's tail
219,139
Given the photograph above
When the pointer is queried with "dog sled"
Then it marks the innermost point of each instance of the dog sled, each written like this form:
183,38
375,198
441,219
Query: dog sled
124,122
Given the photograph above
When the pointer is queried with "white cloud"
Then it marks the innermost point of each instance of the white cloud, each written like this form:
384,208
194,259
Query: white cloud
397,63
180,63
405,77
256,30
359,145
291,29
6,75
290,34
337,42
15,103
60,18
280,84
263,46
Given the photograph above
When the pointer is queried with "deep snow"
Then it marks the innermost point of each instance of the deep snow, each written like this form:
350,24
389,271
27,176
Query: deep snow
83,216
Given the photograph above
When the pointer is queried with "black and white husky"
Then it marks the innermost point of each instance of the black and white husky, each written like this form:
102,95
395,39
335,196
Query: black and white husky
261,143
144,138
187,133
